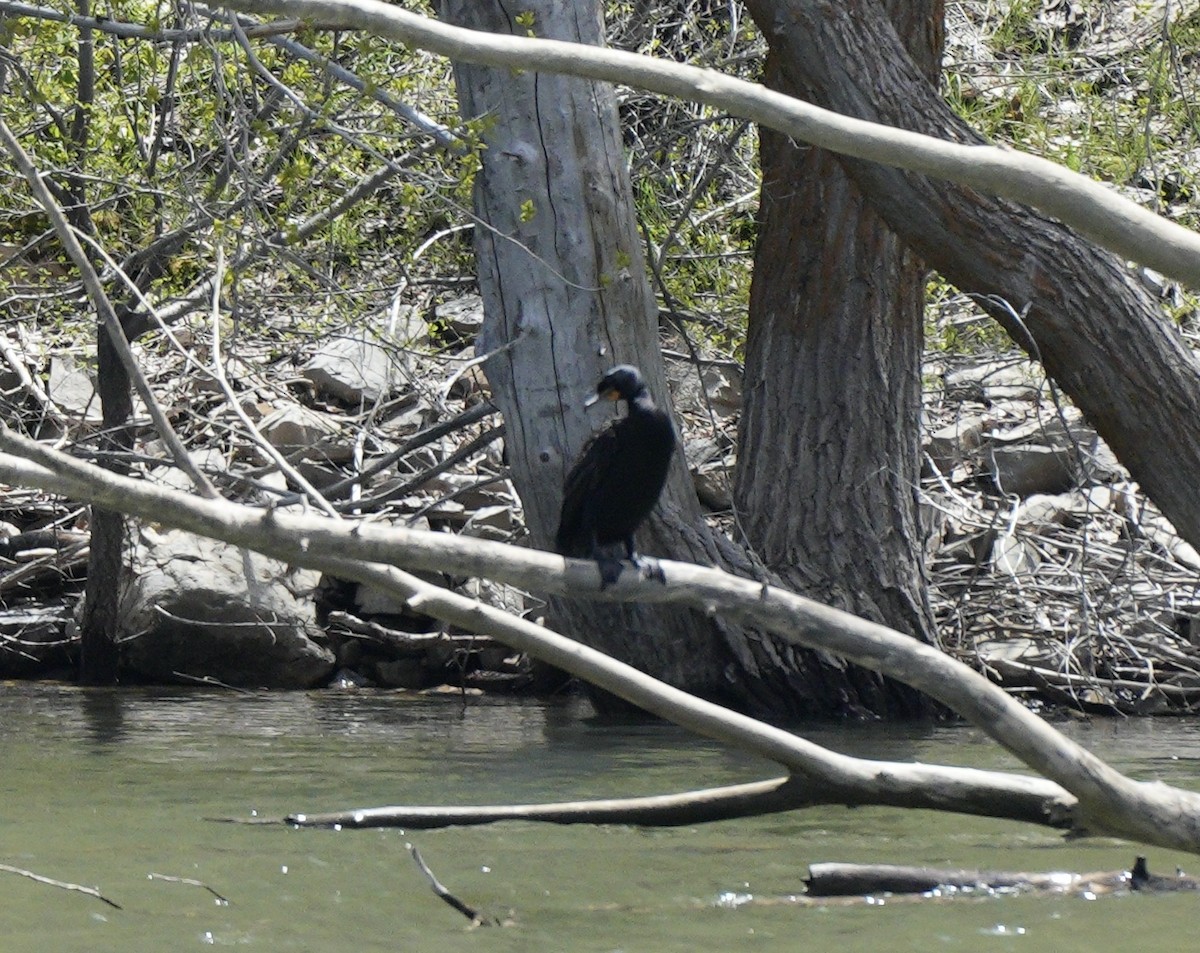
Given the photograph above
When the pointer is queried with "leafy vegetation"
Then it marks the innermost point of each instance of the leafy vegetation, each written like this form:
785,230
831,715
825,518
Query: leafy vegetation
1116,101
187,144
212,138
1109,92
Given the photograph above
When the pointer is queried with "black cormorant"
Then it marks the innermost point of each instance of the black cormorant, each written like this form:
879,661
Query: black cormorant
618,477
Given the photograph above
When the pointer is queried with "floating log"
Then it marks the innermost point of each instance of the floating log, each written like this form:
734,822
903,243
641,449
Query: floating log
849,880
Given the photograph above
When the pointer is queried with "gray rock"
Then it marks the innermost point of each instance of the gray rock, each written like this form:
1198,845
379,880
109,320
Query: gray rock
1024,470
353,370
952,444
717,387
496,594
1049,456
490,522
999,380
403,673
208,461
463,316
406,325
72,388
712,481
373,603
295,429
1043,508
1015,557
33,638
199,608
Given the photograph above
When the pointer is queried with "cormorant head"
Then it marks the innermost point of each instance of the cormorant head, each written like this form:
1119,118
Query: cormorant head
623,382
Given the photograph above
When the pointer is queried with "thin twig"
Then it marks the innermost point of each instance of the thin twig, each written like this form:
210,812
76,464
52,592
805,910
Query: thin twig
467,911
70,238
191,883
61,884
235,405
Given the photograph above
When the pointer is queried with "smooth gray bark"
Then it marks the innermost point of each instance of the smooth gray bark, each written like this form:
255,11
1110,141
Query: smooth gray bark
566,297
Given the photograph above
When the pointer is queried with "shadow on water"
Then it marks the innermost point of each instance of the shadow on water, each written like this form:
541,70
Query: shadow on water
175,758
103,712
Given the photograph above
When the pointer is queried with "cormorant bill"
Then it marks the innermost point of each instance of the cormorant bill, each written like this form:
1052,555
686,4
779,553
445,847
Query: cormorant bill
618,476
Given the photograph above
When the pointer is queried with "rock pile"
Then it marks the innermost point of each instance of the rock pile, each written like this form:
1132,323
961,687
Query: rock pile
1049,571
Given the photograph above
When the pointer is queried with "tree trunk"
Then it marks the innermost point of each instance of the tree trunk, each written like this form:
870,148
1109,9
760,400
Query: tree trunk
1097,332
565,296
99,654
98,651
833,392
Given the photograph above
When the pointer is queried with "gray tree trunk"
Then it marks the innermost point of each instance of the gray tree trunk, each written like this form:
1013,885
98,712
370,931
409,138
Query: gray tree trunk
565,296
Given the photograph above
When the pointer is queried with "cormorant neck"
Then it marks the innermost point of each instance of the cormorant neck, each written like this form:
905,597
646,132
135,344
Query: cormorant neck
642,400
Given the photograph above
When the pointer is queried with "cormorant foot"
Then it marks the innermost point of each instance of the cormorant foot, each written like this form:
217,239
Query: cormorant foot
610,571
652,569
647,567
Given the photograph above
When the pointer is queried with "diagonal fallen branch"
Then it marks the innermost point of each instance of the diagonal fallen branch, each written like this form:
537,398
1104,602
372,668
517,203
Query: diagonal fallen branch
1106,801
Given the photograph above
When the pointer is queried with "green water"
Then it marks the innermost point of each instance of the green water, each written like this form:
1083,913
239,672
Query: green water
105,788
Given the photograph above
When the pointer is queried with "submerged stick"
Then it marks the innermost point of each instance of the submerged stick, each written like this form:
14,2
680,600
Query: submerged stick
61,884
476,918
191,883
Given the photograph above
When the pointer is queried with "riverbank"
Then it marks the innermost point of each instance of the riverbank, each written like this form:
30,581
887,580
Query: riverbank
1049,571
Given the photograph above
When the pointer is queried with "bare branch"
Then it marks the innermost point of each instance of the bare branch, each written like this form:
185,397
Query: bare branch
218,374
104,309
438,888
1090,207
934,787
61,884
136,31
188,881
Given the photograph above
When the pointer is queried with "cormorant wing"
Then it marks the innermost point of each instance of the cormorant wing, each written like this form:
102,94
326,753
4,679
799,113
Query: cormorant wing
574,537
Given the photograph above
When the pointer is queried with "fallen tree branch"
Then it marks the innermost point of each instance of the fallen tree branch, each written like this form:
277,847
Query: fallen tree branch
1069,684
963,790
857,880
1107,801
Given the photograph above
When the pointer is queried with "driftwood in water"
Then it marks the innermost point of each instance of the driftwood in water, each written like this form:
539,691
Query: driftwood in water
847,880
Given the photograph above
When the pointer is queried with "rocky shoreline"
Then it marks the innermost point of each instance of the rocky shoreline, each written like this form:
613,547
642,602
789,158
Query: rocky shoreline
1049,571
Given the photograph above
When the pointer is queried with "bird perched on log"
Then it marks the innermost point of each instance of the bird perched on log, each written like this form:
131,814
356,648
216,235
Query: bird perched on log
618,476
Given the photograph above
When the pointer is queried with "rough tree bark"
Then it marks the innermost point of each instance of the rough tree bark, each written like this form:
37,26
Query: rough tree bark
1096,330
565,296
832,384
99,654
